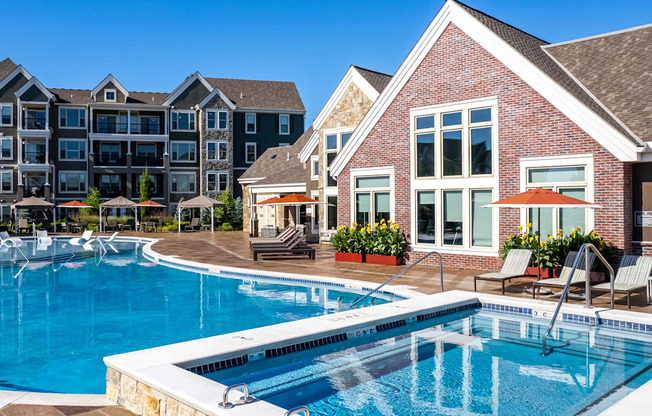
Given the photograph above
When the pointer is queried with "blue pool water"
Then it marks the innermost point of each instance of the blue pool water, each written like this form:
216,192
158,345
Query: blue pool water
470,363
57,321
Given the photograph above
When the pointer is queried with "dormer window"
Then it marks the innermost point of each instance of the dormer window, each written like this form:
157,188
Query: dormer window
109,96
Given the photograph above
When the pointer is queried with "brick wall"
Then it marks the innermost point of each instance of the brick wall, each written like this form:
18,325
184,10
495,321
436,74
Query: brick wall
458,69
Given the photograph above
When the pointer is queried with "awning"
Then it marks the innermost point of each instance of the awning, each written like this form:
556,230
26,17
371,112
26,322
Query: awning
33,202
201,201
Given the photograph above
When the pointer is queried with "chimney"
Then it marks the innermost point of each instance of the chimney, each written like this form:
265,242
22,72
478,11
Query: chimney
242,95
288,157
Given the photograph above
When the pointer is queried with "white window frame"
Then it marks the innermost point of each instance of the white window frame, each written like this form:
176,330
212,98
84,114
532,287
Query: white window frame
11,114
325,169
11,187
177,112
73,140
280,116
194,175
247,145
72,108
177,142
115,95
466,183
11,140
217,144
217,174
81,172
377,171
217,119
255,123
585,160
314,176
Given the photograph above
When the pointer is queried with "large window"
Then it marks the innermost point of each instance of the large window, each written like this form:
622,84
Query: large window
331,213
72,181
6,147
284,124
334,143
217,120
426,219
6,181
183,182
72,149
567,180
184,151
250,123
481,218
110,184
216,181
6,114
217,150
451,133
250,152
372,199
183,120
72,118
314,167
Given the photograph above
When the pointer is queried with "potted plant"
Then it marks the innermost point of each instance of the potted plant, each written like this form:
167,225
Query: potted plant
384,244
526,239
348,243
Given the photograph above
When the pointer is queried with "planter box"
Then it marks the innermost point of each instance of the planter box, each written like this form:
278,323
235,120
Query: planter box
384,260
546,273
350,257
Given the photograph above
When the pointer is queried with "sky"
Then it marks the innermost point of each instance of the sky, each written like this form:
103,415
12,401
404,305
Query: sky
155,45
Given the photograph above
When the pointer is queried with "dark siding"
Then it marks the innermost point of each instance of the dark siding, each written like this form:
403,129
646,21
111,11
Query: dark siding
192,96
7,94
33,93
119,96
192,136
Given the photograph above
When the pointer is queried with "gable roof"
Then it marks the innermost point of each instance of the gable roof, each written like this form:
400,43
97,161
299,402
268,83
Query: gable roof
33,82
615,69
109,78
75,96
524,56
260,95
7,66
184,85
378,80
279,165
13,73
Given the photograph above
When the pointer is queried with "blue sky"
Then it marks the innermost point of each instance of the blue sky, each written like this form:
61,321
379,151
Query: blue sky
154,45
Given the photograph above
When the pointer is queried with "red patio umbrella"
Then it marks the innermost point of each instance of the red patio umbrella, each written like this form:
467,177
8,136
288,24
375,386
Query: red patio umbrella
290,200
540,198
74,204
150,203
268,201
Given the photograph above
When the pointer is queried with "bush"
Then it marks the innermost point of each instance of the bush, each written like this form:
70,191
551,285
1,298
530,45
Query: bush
226,227
385,239
94,200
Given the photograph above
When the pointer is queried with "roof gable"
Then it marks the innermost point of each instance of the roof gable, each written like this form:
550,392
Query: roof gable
248,94
17,70
514,49
7,66
110,79
33,90
185,85
217,91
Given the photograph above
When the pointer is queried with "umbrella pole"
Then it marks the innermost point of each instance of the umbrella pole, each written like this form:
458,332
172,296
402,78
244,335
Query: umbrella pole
539,243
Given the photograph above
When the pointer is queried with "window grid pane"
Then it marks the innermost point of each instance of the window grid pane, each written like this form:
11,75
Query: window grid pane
452,227
426,217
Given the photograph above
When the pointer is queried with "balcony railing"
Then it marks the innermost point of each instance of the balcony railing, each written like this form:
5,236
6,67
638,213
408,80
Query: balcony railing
34,157
111,159
112,127
147,161
34,123
37,191
110,191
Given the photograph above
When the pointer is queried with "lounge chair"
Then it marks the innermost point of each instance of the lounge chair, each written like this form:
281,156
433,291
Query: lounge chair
631,277
23,225
43,241
579,277
6,240
111,238
111,225
194,225
284,236
296,245
515,266
83,240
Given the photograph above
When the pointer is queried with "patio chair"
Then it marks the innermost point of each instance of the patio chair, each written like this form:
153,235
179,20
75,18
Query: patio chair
111,225
23,225
83,240
579,277
194,225
43,241
295,245
285,235
515,266
631,277
6,240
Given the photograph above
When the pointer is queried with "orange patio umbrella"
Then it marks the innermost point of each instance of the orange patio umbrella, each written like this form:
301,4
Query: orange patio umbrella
290,200
150,203
74,204
268,201
541,198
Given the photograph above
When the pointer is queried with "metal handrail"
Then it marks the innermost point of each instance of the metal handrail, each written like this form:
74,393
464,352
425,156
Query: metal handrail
297,410
101,244
26,260
584,249
441,277
72,255
246,398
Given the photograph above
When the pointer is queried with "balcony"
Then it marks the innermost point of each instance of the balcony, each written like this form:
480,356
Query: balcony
37,191
34,123
115,127
110,159
111,191
34,157
151,161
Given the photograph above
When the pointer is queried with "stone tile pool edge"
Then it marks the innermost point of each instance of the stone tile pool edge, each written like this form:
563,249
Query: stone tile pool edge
158,381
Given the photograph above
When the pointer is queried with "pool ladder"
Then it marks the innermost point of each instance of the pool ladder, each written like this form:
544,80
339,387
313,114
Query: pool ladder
584,249
297,411
247,398
441,277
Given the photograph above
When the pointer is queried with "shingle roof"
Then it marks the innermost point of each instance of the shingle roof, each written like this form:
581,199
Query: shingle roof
616,69
73,96
6,67
264,95
378,80
140,97
280,165
531,48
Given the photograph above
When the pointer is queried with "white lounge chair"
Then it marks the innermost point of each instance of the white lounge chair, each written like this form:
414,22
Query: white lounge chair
631,277
111,238
515,266
84,239
43,241
579,277
5,239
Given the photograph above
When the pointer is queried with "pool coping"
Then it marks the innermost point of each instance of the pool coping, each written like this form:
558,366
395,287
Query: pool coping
162,372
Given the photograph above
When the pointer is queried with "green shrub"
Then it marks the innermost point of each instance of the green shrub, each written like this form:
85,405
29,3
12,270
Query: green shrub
226,227
384,239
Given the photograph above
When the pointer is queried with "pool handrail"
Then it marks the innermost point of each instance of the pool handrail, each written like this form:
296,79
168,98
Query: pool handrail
583,249
441,277
246,398
298,410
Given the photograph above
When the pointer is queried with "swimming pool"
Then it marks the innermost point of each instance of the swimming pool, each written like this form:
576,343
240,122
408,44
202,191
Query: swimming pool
474,362
58,320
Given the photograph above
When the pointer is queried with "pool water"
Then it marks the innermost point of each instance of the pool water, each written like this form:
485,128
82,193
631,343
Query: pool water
58,320
470,363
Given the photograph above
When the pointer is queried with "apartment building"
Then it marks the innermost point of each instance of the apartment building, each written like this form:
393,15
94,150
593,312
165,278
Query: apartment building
57,143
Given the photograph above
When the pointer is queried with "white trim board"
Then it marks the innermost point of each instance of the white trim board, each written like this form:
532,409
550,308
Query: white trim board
210,97
309,147
601,131
185,84
29,84
109,78
18,70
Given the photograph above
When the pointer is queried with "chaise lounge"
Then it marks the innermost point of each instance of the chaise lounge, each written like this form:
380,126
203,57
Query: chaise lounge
515,266
295,245
579,277
631,277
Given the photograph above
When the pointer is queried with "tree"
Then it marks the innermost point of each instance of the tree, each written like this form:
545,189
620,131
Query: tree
236,218
146,189
225,213
94,200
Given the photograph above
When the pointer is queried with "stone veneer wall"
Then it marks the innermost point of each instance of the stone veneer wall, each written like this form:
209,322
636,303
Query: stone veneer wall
458,69
246,209
349,111
207,165
142,399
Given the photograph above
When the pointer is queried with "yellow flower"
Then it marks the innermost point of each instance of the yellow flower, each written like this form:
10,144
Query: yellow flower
520,228
376,225
509,236
543,243
382,221
549,237
531,239
395,226
355,224
352,229
528,225
536,237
